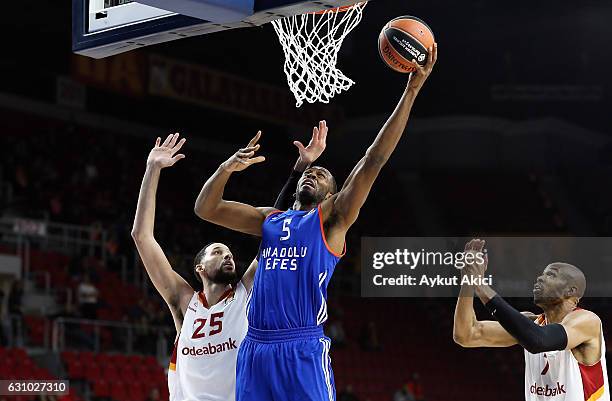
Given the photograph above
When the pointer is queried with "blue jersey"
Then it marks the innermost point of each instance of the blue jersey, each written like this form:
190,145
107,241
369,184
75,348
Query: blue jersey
295,266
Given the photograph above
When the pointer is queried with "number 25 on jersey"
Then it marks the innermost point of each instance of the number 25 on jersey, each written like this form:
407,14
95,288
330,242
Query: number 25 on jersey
216,326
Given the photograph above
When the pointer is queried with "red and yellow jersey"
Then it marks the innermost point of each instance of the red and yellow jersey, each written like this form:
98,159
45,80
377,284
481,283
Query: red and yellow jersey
203,363
558,376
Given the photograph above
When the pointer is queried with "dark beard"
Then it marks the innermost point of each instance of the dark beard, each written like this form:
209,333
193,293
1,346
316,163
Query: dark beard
224,277
307,198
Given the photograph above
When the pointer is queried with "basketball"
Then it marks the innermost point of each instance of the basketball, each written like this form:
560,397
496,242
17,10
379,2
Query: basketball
404,39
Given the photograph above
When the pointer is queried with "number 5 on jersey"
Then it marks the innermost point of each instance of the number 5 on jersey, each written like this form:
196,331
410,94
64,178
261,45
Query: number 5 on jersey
286,229
215,324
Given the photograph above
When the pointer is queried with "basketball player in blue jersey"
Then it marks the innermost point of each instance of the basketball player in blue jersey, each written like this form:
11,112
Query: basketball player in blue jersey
285,355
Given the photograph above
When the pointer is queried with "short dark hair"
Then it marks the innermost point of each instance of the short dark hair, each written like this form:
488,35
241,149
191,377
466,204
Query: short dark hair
198,259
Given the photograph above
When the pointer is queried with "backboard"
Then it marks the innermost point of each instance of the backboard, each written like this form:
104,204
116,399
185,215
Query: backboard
102,28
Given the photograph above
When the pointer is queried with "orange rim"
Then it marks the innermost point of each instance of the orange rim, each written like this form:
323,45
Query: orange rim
334,10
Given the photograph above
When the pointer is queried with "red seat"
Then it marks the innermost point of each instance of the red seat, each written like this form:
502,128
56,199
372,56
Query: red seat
119,360
92,372
18,353
150,360
128,373
101,388
103,359
137,391
118,391
76,370
69,355
136,360
111,374
86,358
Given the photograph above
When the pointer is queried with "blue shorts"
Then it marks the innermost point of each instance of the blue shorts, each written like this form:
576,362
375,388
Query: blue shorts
285,365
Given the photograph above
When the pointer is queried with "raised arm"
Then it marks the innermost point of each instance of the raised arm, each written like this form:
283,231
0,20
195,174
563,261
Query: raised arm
357,186
577,328
171,286
211,206
469,331
308,155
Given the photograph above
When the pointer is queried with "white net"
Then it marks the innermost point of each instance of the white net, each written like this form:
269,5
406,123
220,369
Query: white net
311,43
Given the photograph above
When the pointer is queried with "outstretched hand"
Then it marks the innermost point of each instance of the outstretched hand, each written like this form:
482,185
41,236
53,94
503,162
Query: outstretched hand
316,146
164,154
243,158
418,77
474,247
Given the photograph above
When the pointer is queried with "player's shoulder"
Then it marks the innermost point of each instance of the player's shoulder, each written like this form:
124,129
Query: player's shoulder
583,317
268,211
585,314
240,289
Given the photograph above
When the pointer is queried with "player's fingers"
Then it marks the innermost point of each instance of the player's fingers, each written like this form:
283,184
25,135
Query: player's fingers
173,140
157,141
248,149
168,139
253,141
315,134
257,159
177,158
468,245
179,145
245,155
419,68
322,129
299,145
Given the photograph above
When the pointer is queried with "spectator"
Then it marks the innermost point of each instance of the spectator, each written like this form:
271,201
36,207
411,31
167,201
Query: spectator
415,386
87,294
369,338
347,394
403,394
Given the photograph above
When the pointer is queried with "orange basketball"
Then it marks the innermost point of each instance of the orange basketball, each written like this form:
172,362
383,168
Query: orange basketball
404,39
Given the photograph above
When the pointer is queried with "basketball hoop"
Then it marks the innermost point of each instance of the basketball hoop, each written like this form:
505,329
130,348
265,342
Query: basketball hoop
311,43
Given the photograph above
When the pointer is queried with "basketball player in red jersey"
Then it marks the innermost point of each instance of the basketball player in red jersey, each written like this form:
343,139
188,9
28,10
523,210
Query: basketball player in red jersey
212,323
564,346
